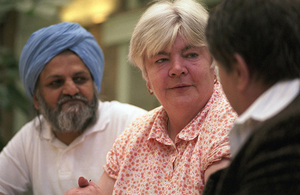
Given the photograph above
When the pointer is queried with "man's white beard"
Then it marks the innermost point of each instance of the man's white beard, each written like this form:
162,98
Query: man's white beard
75,118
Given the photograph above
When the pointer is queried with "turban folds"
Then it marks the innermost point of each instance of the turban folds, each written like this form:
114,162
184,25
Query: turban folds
46,43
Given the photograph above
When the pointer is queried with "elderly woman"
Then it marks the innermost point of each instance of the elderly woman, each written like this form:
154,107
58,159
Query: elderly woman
175,147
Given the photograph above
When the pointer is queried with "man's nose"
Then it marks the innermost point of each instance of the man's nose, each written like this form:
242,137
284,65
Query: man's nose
70,88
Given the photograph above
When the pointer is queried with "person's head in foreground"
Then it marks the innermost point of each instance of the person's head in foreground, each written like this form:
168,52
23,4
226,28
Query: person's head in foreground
61,67
256,43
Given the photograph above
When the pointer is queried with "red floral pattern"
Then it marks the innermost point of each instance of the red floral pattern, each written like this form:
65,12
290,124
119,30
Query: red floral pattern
144,160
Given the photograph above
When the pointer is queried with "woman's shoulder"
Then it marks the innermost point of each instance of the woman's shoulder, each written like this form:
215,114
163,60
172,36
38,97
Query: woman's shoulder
142,125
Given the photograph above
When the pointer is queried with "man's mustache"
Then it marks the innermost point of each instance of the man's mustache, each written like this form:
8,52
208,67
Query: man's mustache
67,98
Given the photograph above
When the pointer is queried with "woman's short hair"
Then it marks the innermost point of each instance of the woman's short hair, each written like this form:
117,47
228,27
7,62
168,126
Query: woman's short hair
160,24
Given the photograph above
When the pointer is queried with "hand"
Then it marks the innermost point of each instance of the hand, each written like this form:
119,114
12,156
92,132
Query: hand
85,187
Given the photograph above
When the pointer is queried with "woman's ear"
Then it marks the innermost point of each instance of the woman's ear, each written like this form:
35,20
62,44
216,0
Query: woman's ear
148,85
149,88
242,73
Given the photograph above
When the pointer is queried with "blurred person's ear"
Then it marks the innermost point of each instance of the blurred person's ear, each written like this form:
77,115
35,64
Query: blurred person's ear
241,72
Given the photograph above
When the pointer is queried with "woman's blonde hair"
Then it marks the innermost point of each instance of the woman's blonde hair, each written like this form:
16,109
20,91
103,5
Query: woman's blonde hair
159,26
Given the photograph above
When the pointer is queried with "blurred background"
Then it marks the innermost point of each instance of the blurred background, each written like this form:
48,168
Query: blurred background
110,21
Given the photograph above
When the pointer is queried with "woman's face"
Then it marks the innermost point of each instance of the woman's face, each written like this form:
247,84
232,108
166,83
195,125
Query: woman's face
181,77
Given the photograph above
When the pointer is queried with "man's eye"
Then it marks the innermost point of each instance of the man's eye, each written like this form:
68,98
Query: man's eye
56,83
80,80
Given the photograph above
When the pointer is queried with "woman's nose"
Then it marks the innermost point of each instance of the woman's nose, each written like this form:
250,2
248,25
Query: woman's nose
178,67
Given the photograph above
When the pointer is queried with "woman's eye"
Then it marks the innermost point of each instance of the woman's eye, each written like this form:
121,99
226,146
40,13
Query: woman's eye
161,60
192,55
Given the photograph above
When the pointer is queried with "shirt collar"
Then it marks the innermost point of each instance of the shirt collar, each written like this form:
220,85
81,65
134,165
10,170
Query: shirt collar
158,129
189,132
267,105
272,101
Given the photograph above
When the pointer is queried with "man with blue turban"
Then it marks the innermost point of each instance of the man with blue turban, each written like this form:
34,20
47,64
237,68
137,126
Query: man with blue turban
61,67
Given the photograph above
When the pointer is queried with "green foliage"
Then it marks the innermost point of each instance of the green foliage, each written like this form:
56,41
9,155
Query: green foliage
11,94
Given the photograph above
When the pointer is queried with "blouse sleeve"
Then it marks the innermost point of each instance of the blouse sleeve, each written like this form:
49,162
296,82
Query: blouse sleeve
215,136
116,155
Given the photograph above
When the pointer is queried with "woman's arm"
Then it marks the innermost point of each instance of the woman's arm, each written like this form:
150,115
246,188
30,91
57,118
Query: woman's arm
106,184
215,167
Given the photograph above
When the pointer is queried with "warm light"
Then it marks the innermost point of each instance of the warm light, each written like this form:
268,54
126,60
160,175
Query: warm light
87,12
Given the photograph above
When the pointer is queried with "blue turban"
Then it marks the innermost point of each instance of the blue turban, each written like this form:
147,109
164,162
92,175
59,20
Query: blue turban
46,43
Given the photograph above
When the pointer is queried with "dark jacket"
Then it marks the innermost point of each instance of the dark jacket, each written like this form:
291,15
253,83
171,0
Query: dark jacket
269,161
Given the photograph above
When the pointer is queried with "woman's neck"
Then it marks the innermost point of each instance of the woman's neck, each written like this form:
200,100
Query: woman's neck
177,122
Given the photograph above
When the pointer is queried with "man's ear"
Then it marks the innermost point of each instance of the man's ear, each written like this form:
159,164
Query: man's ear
242,73
35,102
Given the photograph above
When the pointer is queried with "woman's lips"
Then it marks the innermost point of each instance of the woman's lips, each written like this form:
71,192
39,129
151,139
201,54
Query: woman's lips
180,86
